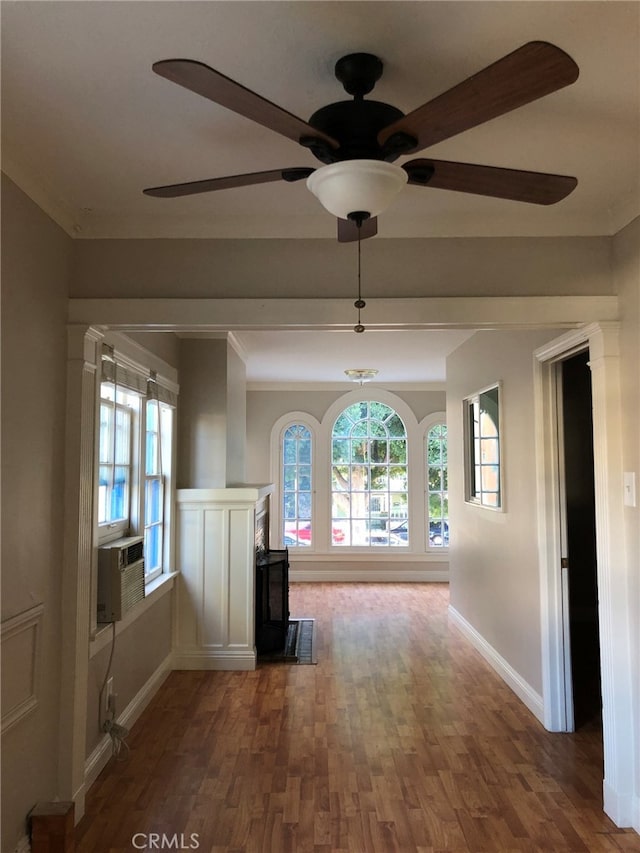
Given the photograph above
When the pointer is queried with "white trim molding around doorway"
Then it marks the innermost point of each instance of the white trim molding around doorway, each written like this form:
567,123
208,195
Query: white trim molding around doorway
619,739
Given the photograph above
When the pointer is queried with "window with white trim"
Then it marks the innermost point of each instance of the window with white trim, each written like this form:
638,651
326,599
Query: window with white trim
436,471
134,458
297,493
362,498
369,477
158,432
483,470
119,417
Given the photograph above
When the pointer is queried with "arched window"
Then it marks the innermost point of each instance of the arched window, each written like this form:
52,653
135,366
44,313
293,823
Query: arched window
369,479
437,486
297,486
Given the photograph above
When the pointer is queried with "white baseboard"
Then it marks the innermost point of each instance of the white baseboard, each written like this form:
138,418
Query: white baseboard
369,575
623,809
520,687
100,756
223,659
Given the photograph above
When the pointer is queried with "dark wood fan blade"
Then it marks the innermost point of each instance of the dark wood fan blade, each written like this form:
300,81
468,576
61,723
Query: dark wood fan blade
533,187
205,81
229,182
348,230
534,70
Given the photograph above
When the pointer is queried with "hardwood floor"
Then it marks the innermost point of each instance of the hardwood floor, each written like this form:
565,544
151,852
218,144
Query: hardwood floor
401,738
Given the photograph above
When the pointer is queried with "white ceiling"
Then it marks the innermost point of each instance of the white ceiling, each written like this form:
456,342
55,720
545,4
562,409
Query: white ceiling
86,125
410,356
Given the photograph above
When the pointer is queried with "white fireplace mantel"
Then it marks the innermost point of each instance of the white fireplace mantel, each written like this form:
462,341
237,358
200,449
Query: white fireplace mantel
215,612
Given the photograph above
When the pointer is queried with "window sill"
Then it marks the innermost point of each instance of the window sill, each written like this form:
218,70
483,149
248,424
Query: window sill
382,556
153,592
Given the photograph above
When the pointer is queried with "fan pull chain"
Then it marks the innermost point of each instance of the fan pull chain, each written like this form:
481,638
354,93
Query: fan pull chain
359,303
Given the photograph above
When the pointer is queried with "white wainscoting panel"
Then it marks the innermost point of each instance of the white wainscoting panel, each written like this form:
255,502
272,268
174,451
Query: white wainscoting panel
20,638
215,619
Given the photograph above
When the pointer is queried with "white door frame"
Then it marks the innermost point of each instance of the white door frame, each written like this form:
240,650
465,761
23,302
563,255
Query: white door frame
568,722
613,581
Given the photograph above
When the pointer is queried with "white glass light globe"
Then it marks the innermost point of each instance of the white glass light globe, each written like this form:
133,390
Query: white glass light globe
364,186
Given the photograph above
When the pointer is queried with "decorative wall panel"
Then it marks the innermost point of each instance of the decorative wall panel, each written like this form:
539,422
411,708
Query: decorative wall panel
20,665
215,619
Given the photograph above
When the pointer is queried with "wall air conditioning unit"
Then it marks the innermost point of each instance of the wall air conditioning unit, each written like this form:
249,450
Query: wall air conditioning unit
120,577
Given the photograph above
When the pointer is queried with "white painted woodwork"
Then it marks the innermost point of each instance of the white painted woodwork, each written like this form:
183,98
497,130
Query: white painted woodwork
613,575
418,313
21,651
79,563
215,613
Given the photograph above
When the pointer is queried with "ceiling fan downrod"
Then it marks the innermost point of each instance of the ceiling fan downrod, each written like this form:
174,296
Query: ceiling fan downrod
358,217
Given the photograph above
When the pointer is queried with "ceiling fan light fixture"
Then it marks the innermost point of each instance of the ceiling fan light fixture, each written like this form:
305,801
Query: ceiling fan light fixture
356,186
361,374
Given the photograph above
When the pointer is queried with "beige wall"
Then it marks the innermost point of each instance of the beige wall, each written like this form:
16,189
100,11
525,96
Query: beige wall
166,345
264,408
299,268
493,556
36,259
236,418
202,419
139,651
212,416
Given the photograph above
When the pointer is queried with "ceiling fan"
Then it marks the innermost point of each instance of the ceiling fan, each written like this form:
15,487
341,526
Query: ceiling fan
358,140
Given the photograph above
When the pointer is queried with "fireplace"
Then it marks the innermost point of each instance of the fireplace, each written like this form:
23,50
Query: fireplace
272,600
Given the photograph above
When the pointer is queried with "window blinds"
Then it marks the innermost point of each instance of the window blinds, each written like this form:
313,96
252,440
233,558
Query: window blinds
126,374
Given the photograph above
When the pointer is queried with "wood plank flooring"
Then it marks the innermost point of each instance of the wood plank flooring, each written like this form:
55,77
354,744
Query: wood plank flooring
401,738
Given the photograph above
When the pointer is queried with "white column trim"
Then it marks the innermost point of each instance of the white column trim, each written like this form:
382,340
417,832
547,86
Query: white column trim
78,561
613,581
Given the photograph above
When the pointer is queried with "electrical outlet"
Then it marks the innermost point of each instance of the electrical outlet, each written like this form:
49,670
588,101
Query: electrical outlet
108,693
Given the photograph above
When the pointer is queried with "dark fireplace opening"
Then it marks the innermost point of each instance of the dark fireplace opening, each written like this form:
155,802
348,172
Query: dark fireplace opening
272,600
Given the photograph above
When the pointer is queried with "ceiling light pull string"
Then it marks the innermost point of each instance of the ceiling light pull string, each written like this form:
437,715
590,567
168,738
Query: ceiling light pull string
359,303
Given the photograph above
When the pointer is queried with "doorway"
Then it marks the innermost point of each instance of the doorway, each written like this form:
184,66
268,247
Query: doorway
578,543
616,652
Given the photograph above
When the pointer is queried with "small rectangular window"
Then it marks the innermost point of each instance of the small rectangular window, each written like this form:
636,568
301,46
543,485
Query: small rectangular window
483,468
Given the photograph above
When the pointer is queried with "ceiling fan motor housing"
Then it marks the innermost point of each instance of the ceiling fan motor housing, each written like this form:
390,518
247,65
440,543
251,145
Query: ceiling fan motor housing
356,124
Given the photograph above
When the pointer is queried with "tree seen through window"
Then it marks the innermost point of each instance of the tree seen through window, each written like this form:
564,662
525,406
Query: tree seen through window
369,479
437,486
296,486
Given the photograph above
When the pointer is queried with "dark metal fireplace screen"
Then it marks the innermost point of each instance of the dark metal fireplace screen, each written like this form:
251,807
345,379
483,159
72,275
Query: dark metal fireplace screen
272,600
